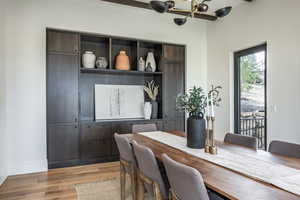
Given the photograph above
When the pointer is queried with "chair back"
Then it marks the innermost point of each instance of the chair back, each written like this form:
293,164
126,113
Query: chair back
186,182
147,164
246,141
137,128
125,148
285,149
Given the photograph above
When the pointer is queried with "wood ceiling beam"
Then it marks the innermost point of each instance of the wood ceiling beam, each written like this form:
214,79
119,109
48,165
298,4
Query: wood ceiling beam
138,4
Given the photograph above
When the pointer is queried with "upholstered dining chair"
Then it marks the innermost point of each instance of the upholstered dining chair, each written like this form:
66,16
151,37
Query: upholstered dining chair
127,164
285,149
149,174
136,128
186,182
246,141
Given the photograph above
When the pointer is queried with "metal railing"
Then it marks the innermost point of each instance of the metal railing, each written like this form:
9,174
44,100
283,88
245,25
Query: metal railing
255,127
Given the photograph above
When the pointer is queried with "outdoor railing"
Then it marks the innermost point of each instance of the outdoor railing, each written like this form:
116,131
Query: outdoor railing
255,127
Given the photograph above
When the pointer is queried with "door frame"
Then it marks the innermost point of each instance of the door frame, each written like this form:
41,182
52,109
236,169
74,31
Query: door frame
237,84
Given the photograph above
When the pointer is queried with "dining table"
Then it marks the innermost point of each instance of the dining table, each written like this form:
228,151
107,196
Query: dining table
226,182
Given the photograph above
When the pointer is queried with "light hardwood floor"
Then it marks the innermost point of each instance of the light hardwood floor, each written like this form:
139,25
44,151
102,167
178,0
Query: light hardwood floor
56,183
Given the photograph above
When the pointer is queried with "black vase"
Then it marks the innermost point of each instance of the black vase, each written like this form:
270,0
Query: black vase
154,110
196,134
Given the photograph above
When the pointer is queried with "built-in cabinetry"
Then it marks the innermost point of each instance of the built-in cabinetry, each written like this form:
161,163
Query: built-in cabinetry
73,135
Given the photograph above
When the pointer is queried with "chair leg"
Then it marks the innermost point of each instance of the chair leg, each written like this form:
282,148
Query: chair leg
122,180
156,191
170,195
140,188
133,182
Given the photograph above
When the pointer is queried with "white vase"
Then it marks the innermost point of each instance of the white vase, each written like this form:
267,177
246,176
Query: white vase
150,61
147,110
141,64
88,59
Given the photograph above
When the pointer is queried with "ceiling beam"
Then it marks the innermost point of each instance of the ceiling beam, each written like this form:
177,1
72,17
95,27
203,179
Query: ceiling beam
138,4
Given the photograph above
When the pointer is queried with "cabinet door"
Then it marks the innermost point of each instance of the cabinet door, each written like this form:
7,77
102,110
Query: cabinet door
95,141
64,42
173,82
62,89
63,143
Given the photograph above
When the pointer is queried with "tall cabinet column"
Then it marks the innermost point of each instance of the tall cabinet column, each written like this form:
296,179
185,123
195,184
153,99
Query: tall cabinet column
173,67
62,98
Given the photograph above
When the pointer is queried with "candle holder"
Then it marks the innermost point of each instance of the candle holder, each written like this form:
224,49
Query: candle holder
207,139
210,146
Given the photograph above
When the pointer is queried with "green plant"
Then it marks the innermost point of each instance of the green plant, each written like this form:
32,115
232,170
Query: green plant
249,70
196,100
152,90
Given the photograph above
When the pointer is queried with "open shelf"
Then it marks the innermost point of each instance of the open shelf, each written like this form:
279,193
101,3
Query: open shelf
114,71
145,47
129,46
100,46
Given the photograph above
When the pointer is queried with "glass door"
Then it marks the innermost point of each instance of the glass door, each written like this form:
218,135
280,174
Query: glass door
250,93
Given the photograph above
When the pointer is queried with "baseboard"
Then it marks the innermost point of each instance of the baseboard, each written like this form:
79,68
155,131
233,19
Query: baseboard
28,167
2,179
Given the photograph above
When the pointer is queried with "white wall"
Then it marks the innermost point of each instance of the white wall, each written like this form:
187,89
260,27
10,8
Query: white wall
277,23
3,153
25,53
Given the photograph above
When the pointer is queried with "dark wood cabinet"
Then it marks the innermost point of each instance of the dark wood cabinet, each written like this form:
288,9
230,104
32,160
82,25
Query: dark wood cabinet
62,99
63,145
95,141
62,89
74,136
62,42
173,84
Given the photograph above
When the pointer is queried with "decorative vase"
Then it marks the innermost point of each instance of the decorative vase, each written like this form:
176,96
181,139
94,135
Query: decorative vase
88,59
151,61
122,62
149,68
154,111
101,63
196,134
147,110
141,64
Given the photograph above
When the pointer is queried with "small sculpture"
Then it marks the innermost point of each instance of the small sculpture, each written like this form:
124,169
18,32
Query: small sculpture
141,65
151,61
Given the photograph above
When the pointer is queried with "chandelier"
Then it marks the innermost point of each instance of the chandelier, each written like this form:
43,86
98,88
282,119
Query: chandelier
197,7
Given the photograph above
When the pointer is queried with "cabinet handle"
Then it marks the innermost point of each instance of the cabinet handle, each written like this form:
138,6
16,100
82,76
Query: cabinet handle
75,126
76,119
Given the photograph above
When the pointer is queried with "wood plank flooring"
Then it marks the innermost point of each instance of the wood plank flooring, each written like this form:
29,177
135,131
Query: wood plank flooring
56,183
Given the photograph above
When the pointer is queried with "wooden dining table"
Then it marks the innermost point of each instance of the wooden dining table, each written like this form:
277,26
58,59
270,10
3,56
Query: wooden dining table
228,183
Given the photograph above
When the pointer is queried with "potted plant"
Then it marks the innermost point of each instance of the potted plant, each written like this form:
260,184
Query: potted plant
152,91
195,103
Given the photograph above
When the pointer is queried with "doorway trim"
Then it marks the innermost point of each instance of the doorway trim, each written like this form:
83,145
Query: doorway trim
236,85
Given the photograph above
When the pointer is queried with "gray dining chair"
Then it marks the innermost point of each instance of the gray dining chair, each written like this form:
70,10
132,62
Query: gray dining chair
246,141
186,182
127,164
285,149
137,128
149,174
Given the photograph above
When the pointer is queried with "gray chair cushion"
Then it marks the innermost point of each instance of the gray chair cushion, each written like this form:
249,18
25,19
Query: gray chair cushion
125,148
185,181
137,128
285,149
147,164
246,141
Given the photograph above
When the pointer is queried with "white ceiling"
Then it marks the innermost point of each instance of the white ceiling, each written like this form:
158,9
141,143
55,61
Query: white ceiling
213,5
